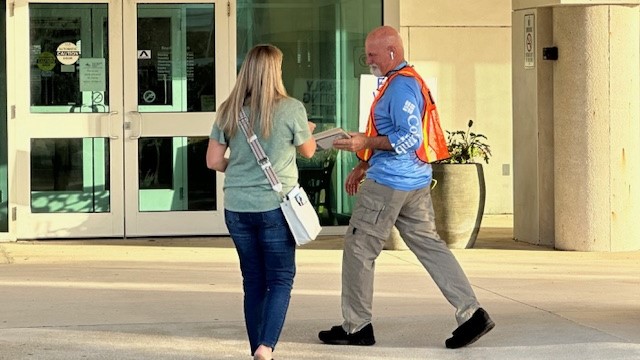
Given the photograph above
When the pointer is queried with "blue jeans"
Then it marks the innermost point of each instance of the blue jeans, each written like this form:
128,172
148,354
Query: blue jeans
266,250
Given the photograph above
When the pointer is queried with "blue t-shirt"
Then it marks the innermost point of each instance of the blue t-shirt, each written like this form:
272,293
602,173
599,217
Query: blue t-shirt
398,116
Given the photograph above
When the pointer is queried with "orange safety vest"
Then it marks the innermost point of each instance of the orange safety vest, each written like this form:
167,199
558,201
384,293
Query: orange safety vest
434,144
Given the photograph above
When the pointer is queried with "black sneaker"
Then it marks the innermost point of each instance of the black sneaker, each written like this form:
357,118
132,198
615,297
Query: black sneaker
337,336
471,330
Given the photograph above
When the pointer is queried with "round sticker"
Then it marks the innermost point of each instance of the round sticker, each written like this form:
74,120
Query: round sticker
67,53
149,96
46,61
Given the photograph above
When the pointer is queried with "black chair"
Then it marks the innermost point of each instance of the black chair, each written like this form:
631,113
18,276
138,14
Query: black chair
315,178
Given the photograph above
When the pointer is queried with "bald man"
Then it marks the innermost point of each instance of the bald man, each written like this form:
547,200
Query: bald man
392,184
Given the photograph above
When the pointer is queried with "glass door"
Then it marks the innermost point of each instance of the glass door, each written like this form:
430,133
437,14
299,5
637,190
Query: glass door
69,104
177,66
117,100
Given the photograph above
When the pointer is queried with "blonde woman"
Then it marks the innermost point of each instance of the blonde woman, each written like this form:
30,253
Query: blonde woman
265,246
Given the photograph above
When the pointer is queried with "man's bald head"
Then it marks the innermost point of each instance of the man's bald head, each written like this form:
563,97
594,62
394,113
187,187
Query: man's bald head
386,35
384,50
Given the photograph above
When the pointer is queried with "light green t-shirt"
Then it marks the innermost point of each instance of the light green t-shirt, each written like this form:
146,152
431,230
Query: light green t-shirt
246,189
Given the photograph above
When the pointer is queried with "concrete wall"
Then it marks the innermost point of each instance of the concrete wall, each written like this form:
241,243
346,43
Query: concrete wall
533,174
467,49
577,127
597,128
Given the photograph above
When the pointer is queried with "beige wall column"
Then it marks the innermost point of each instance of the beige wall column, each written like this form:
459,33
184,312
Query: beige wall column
576,125
464,53
597,128
533,209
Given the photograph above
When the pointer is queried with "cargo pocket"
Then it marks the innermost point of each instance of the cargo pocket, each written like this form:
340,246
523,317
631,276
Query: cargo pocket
367,213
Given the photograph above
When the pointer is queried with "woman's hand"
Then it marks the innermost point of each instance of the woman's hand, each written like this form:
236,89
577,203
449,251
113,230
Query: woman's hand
312,126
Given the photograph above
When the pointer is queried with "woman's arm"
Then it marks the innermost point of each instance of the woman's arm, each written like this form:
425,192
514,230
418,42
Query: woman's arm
308,148
215,156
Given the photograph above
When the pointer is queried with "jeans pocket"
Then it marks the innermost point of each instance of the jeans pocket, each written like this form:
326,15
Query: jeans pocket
231,218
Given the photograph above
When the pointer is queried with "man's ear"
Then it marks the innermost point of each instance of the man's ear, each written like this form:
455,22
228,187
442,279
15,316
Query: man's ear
392,52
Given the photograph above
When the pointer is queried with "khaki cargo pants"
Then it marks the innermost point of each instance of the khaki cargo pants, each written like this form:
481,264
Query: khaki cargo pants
377,209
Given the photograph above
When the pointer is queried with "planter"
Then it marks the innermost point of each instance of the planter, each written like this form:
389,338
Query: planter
458,202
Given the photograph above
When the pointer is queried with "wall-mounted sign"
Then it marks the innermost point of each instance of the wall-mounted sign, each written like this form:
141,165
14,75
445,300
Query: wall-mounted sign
529,41
67,53
368,89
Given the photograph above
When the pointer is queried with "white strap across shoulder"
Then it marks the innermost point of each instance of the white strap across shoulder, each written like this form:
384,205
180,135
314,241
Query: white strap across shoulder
258,152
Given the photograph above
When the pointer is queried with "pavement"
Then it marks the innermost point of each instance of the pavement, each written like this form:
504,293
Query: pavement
164,298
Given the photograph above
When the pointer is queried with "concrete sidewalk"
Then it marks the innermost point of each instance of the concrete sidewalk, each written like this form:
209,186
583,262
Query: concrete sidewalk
182,299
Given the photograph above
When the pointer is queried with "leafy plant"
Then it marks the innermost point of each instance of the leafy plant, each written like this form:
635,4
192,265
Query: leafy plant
466,146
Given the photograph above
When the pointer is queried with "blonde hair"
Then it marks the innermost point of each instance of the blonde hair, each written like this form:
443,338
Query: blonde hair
260,86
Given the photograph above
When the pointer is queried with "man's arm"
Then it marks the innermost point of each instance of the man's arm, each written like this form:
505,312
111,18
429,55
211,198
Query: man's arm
380,142
359,141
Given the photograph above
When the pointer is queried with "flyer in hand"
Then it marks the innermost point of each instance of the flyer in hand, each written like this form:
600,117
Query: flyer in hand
325,139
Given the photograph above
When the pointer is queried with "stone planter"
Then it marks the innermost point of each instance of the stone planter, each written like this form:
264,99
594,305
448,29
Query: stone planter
458,201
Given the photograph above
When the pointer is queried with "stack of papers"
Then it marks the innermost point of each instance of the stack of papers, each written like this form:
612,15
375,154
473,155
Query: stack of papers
325,139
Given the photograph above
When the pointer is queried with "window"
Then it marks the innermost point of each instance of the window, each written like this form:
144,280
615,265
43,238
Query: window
323,46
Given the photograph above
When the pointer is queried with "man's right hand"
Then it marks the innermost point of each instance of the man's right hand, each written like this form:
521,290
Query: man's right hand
355,143
355,177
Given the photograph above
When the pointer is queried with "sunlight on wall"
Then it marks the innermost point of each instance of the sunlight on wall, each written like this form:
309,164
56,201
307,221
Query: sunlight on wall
473,83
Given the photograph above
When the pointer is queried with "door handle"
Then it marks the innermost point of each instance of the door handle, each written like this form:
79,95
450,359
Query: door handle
139,116
111,136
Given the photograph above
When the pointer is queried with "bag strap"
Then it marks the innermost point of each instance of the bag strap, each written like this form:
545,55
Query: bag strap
258,152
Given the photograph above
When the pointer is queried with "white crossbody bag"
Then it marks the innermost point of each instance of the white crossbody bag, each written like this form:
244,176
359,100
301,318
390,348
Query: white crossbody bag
297,209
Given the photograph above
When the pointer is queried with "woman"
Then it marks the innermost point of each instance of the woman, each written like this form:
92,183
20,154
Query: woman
257,226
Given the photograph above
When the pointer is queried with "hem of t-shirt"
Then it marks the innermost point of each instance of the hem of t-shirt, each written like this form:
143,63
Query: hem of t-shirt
252,210
397,186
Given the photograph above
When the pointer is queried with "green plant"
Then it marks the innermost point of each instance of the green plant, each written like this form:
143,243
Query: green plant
466,146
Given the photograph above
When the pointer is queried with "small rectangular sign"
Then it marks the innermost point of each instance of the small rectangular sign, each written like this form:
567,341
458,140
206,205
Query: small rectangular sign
93,74
529,41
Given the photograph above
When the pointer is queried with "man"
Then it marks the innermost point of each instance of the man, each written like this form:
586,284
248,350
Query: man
396,191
